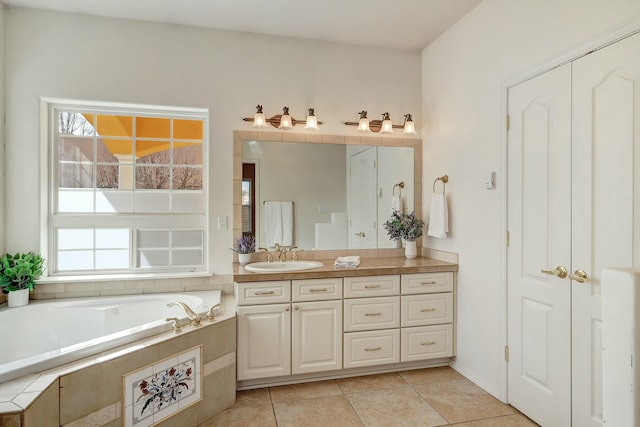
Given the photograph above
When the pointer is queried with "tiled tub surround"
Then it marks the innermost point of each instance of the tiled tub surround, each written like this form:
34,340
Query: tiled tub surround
386,315
79,327
90,391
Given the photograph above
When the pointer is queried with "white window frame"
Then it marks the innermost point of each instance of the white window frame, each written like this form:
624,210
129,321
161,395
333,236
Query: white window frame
51,220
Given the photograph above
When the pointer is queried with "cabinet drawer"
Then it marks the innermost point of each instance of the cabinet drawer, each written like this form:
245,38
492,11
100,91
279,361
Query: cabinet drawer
317,289
371,286
371,348
426,342
263,292
429,309
365,314
424,283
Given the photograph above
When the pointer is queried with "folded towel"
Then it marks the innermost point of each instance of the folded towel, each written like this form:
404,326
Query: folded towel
396,204
439,216
347,262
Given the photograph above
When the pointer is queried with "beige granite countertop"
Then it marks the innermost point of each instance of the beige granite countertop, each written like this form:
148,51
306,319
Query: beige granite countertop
367,267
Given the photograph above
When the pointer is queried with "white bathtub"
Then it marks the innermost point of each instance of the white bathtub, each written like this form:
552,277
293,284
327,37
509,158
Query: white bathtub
46,334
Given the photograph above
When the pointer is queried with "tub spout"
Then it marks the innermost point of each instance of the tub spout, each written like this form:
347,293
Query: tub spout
194,319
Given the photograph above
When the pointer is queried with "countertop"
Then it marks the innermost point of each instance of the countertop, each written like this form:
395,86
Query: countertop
367,267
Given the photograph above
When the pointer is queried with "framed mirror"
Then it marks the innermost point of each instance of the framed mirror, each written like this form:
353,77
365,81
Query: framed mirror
339,189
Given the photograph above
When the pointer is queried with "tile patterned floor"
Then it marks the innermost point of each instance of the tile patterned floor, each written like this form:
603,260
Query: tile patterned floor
424,397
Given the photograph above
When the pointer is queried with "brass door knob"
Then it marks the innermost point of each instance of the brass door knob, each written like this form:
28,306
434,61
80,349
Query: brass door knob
579,276
360,234
559,271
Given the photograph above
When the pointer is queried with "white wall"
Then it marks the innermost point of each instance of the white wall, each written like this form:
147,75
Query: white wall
463,109
92,58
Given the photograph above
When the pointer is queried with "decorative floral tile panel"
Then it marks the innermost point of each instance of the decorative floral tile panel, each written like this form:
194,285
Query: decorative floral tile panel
153,393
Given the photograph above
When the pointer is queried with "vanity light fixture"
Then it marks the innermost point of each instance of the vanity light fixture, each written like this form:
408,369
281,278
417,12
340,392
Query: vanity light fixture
383,126
282,121
409,126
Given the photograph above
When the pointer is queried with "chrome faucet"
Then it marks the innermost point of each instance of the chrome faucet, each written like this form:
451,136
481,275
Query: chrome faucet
194,319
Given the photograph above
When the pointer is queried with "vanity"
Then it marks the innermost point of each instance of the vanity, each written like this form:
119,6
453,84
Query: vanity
388,314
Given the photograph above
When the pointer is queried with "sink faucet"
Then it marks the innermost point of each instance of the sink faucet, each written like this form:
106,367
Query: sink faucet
194,319
211,314
281,253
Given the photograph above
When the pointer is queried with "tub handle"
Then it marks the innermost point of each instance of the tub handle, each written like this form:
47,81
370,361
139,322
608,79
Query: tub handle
211,314
175,325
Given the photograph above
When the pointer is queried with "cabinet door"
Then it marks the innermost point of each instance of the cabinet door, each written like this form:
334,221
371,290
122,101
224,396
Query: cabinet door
316,336
264,341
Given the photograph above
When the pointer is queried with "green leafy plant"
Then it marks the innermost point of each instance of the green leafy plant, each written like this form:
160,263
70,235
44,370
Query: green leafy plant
20,271
404,226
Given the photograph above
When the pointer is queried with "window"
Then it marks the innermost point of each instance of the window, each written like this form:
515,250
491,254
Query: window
127,189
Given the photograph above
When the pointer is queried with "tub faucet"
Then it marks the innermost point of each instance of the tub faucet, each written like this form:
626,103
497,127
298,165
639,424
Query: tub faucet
211,314
194,319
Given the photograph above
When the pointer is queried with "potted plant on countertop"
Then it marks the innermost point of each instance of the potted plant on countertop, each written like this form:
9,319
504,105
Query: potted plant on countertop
407,227
18,275
244,246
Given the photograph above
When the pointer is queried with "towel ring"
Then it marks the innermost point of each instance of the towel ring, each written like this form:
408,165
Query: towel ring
444,179
401,185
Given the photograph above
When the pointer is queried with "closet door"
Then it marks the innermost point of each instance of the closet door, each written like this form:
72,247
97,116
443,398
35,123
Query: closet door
605,199
539,215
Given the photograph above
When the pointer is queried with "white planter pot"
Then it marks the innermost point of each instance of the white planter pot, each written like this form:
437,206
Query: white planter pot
410,250
18,298
244,259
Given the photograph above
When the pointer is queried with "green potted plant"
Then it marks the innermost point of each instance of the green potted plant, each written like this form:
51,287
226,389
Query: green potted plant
407,227
18,275
244,246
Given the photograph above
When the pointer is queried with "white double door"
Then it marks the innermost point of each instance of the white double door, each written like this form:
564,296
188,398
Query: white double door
573,208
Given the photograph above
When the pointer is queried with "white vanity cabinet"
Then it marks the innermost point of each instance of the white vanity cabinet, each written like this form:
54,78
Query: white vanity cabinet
313,328
427,316
301,335
371,321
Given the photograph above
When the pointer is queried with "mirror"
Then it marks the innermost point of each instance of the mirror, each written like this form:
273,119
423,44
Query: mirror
341,193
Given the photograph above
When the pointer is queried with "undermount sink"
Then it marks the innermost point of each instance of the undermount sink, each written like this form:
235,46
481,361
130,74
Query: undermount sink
282,267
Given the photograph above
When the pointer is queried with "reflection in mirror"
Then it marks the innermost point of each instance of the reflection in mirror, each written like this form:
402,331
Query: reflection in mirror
341,194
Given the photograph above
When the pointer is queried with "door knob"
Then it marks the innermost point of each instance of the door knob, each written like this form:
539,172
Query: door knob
559,271
360,234
579,276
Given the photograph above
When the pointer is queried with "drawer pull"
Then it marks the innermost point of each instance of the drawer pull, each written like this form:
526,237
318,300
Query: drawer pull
373,314
433,282
373,349
372,286
428,343
426,310
318,290
265,292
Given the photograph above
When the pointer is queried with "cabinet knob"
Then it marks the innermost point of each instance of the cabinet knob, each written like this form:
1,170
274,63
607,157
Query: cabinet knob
286,309
296,308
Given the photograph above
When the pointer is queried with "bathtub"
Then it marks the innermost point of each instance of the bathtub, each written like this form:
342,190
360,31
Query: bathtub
46,334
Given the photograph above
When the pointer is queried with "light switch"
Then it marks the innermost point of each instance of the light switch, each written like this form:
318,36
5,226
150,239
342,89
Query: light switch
222,222
490,181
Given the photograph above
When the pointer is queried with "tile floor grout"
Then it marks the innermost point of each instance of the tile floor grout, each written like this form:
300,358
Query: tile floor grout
303,402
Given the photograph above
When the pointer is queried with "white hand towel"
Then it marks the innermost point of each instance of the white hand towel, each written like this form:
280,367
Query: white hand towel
396,204
273,222
347,262
439,216
287,223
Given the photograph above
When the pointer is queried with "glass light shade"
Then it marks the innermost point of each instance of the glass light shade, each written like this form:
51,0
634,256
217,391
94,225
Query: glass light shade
409,127
312,123
285,122
387,126
363,125
259,121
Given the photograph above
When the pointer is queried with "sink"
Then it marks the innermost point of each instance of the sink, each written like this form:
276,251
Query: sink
282,267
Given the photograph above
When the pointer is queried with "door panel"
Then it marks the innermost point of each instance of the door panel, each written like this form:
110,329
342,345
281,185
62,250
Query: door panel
363,200
539,209
606,201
